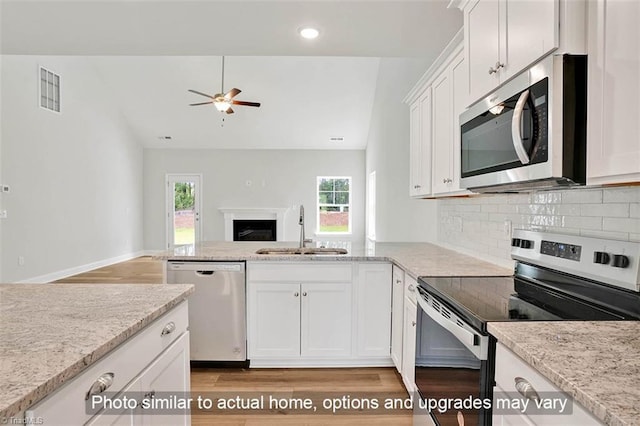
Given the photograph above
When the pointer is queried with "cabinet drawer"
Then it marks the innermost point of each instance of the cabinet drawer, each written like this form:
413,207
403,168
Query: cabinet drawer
508,367
397,275
299,271
67,404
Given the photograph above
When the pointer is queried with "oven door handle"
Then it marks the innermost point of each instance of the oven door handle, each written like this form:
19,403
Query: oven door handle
476,343
516,121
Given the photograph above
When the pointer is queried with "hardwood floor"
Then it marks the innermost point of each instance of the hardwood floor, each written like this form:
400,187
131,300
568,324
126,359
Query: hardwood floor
141,270
320,384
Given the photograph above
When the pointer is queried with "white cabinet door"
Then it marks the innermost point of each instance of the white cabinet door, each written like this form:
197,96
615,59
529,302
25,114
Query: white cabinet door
374,309
169,374
482,43
274,320
531,31
420,145
326,320
409,345
504,37
613,149
397,317
442,133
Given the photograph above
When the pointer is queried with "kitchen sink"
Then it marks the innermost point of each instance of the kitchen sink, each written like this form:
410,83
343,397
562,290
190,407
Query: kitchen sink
299,250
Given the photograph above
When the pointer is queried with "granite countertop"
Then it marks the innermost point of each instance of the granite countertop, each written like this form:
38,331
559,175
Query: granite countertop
598,363
417,259
50,333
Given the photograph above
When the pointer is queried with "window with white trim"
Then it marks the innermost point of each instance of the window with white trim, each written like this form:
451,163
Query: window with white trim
334,204
49,90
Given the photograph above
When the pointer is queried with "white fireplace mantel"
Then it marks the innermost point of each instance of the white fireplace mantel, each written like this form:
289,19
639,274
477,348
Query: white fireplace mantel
256,213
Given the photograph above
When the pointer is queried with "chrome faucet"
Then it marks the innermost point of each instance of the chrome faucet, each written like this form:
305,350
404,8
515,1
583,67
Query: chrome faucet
303,240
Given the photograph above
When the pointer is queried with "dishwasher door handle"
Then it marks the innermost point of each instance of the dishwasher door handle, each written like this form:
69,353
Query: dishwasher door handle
203,273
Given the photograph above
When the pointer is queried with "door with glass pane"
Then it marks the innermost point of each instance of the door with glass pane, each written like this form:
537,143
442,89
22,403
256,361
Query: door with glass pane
183,209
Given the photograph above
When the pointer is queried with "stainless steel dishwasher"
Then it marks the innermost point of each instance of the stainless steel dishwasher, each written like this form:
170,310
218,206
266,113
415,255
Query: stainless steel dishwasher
216,309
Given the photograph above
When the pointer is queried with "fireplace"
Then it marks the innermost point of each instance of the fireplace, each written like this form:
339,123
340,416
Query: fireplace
254,230
273,216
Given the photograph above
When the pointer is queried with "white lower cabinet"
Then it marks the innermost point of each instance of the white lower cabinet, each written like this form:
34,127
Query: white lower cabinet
397,316
409,337
516,379
153,361
318,313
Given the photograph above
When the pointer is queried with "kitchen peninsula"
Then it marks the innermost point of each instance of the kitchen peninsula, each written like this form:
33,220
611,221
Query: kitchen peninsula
53,336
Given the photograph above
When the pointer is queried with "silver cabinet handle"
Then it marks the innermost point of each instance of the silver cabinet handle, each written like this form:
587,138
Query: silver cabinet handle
411,288
304,293
413,323
398,281
416,186
492,71
499,65
444,180
526,389
296,294
169,328
100,385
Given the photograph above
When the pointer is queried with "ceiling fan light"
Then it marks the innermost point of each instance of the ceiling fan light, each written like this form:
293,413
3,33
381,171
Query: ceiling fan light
309,33
222,106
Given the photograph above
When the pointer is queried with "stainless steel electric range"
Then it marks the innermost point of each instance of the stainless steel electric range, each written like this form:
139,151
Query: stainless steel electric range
556,277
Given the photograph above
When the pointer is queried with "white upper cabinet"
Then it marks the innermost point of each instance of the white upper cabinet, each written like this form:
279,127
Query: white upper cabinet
435,106
420,145
503,37
613,151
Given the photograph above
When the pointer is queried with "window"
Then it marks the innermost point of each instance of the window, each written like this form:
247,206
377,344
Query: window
49,90
334,205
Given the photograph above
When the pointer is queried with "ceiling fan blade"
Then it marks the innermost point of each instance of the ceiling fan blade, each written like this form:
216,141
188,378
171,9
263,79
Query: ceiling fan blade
245,103
229,111
232,93
200,93
201,103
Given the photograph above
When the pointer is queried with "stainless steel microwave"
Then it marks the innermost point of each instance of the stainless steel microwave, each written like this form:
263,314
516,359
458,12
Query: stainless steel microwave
530,134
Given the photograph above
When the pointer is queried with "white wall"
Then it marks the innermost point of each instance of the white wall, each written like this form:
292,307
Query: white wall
398,217
76,177
476,224
280,179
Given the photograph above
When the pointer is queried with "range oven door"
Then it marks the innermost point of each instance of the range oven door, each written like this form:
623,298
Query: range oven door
453,367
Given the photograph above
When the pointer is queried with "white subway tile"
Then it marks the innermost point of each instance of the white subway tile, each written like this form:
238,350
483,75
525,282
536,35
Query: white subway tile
634,237
580,196
567,209
634,210
608,210
621,195
610,235
582,222
618,224
489,208
546,197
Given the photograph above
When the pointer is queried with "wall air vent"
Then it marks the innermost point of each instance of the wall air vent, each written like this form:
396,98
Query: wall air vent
49,90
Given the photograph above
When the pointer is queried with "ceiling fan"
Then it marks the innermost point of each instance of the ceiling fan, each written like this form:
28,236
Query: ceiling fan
221,101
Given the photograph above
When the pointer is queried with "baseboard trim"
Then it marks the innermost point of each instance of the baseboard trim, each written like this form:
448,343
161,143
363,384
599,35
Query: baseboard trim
58,275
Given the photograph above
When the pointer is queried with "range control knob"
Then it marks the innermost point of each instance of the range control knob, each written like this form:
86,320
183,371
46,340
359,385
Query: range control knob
601,257
526,244
620,261
515,242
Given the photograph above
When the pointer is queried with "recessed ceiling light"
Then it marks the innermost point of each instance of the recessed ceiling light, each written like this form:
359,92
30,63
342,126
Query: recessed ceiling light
309,33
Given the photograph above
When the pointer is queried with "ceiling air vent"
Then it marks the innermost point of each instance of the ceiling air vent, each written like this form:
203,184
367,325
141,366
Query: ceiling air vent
336,138
49,90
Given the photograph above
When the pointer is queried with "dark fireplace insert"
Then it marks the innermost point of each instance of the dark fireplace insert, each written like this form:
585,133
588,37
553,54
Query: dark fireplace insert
254,230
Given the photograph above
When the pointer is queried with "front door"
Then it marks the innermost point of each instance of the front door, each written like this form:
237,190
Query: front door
183,209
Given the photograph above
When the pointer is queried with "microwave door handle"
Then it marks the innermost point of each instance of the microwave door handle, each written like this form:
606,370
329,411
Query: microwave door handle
516,121
472,341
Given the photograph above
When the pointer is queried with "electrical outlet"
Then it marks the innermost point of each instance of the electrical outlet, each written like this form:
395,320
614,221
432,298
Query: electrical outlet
20,260
507,228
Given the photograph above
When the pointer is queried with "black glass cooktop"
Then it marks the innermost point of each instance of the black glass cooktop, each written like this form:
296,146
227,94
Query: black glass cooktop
534,294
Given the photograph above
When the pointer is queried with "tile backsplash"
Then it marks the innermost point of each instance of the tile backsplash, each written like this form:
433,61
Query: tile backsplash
480,223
